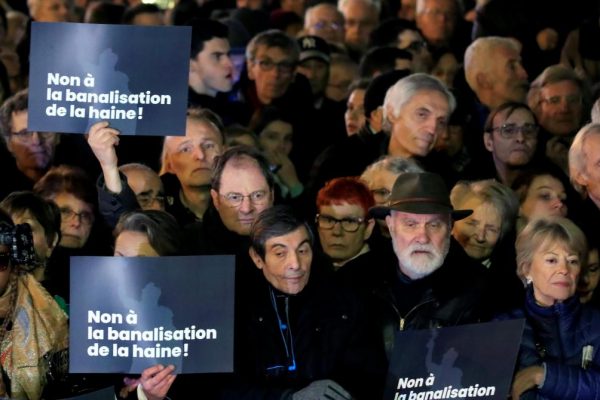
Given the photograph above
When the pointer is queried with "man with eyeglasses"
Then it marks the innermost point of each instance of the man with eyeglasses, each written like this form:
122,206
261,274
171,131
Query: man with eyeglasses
360,18
241,187
494,71
324,20
433,283
510,137
27,155
271,60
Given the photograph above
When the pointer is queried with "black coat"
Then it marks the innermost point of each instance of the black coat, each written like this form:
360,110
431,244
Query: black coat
329,336
451,295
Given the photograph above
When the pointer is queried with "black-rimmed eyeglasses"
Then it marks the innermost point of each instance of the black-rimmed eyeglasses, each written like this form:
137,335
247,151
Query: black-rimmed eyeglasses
510,131
348,224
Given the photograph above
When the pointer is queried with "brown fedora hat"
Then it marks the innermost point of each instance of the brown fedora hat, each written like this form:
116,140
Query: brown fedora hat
419,193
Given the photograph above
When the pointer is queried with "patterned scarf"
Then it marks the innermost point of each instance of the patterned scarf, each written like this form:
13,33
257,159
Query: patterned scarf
39,328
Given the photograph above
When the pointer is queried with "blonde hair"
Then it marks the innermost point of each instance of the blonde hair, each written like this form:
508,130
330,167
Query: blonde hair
541,232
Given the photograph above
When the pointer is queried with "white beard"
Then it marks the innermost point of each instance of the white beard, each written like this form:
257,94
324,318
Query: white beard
417,266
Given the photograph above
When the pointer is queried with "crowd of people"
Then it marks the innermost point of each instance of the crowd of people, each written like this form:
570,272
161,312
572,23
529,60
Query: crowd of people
374,165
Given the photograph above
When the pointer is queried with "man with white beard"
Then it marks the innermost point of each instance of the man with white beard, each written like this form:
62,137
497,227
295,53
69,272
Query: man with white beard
435,283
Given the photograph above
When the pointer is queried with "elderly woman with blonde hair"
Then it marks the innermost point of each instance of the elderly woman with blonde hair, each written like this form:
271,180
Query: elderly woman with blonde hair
559,356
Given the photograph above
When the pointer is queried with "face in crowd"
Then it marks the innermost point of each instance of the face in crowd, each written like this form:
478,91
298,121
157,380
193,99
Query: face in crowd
437,20
418,124
326,22
420,241
147,187
272,71
317,73
192,156
354,117
507,77
211,71
479,232
360,18
287,261
76,220
545,197
554,272
589,177
33,151
276,138
561,108
513,138
243,193
343,230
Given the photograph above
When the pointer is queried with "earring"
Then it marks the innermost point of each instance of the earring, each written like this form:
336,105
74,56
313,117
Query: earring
528,281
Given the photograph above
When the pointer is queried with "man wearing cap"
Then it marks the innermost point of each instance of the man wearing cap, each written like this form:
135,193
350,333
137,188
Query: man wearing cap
434,284
314,65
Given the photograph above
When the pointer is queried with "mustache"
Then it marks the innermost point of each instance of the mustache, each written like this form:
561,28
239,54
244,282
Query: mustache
422,247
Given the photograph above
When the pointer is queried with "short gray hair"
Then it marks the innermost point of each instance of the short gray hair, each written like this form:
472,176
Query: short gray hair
479,53
308,15
273,38
374,3
489,191
402,92
577,154
395,165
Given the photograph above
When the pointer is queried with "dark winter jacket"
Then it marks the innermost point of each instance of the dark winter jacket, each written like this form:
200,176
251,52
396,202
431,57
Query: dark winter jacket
451,295
556,337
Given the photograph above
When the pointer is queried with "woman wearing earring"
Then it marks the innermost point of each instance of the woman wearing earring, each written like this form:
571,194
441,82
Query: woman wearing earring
559,357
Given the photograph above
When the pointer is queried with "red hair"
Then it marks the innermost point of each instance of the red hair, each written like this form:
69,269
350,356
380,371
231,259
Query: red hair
349,190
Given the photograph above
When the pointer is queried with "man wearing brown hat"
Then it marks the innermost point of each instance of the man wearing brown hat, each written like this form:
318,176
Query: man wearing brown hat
435,284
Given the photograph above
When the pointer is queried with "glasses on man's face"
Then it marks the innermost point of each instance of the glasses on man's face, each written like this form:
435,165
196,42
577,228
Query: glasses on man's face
571,100
25,136
257,198
146,200
348,224
85,217
510,131
284,67
321,25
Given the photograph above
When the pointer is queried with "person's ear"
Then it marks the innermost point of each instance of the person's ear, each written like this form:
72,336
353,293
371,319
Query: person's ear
256,258
389,114
581,178
215,198
488,141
